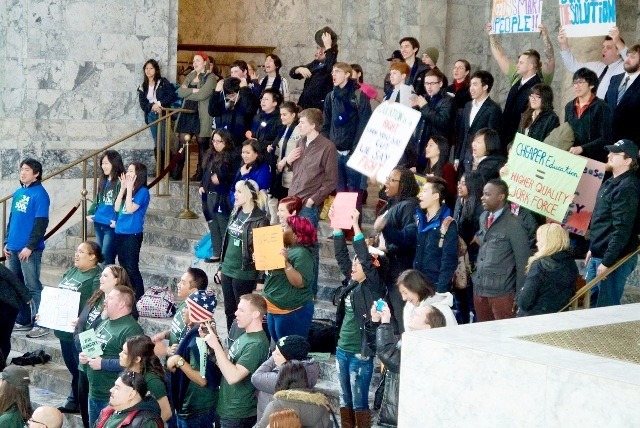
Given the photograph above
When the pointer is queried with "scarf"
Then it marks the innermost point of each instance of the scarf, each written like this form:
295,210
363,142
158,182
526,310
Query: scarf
342,108
276,83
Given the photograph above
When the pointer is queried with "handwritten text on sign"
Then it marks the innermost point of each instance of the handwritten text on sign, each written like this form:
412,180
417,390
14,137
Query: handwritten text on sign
578,216
267,243
585,18
516,16
542,178
384,140
58,308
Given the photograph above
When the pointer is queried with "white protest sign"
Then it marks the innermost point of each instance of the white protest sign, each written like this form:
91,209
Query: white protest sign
58,307
384,139
586,18
202,349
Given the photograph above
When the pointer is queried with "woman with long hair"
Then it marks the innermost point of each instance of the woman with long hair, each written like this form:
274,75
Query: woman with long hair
417,291
237,271
286,141
437,157
551,274
101,212
254,166
15,402
218,166
137,355
131,205
273,79
112,275
539,119
154,94
486,154
288,291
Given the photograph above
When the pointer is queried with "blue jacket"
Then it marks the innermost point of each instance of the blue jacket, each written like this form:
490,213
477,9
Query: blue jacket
258,173
437,262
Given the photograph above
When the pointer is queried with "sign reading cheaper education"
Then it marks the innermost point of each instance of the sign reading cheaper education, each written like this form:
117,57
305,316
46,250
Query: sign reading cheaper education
586,18
516,16
384,139
543,178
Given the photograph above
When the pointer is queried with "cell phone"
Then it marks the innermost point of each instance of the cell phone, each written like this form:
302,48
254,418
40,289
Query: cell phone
380,305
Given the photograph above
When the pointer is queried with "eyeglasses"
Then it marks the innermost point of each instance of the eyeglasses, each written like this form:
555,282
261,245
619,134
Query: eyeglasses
83,252
579,82
392,180
218,141
432,83
534,96
33,421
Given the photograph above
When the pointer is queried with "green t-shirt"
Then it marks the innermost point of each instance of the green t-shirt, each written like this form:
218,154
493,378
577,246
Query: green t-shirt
197,398
111,335
155,385
84,282
232,263
546,78
94,313
239,400
11,419
279,291
350,337
178,327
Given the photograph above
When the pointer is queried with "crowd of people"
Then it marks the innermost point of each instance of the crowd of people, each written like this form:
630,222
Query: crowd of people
447,249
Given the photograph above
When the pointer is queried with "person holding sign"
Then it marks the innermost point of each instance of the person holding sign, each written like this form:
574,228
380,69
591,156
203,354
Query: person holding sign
137,355
237,273
83,277
288,291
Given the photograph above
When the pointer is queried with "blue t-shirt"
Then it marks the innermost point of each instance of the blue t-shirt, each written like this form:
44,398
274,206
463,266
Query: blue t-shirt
130,223
28,204
104,212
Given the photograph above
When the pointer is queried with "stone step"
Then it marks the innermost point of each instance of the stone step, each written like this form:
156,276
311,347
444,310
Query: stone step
44,397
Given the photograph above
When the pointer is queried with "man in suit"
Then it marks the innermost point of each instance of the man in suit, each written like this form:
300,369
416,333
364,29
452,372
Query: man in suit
623,97
480,112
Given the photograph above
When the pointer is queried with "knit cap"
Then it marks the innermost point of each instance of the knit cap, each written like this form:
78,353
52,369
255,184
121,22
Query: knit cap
293,347
433,53
201,306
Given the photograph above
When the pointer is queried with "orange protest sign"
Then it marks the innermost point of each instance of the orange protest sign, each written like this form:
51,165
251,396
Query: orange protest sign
267,243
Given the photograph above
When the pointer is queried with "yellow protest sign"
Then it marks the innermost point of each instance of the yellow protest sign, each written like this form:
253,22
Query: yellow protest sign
267,243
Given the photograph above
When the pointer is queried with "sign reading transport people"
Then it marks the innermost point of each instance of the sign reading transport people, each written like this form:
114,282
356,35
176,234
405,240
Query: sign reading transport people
586,18
516,16
542,178
383,140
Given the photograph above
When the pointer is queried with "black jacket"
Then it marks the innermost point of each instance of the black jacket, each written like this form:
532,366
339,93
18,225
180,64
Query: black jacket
615,222
400,233
236,120
468,226
363,294
13,292
542,126
266,127
593,130
516,104
165,94
489,116
145,411
416,77
437,118
319,84
625,114
549,285
346,113
489,167
388,350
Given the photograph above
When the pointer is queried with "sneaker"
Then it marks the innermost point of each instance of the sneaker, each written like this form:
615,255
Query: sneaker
37,331
22,327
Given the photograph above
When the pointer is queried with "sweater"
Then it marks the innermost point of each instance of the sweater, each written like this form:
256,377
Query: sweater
205,87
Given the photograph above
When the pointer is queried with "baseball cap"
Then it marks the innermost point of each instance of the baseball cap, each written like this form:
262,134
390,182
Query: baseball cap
625,146
16,376
395,55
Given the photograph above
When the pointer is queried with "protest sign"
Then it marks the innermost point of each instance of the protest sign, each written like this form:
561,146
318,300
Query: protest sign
578,216
58,308
384,140
89,344
586,18
542,178
343,206
202,350
267,243
516,16
420,179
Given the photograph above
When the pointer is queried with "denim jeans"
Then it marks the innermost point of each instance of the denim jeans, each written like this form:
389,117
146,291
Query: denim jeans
608,292
239,423
296,322
354,372
313,215
29,272
95,407
349,180
83,393
217,228
71,360
128,249
202,420
105,237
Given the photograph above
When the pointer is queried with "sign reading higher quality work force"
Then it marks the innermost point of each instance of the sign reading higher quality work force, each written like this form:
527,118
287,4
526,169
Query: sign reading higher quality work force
585,18
384,140
542,178
516,16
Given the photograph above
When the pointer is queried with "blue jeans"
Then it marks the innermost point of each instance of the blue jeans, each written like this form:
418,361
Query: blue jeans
128,249
350,180
296,322
71,360
152,116
354,372
95,407
313,215
239,423
202,420
609,291
29,272
106,236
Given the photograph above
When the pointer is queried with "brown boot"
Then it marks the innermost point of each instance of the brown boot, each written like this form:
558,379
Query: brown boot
363,418
346,417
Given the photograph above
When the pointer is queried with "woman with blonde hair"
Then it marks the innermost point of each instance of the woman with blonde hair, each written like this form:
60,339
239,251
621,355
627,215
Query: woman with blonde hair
551,273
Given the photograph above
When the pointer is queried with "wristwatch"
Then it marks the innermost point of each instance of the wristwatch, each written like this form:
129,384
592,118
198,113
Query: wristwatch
180,362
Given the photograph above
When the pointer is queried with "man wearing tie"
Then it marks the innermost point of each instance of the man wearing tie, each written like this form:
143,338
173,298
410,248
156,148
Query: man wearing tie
623,98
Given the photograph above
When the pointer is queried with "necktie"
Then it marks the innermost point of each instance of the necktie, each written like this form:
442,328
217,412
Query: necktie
490,220
622,89
602,74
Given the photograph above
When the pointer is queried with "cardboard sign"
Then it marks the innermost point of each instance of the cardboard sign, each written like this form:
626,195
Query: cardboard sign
384,139
58,308
267,243
516,16
343,206
542,178
89,343
420,179
586,18
202,350
578,216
